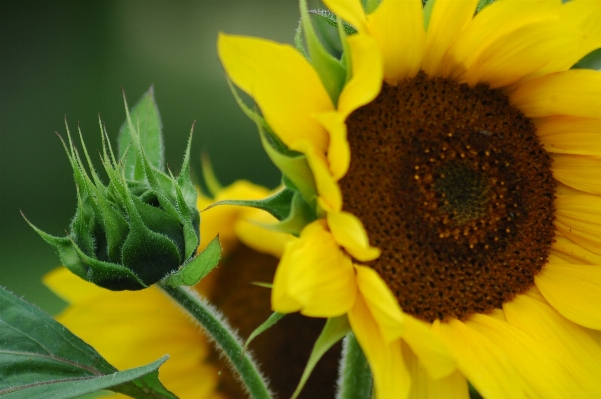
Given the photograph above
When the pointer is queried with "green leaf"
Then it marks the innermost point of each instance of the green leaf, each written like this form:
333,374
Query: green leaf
331,19
279,204
334,330
40,358
267,324
195,270
145,118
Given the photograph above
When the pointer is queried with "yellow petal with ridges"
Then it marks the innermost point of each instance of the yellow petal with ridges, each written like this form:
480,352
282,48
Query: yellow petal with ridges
575,92
492,23
314,276
448,18
519,54
428,347
382,304
480,360
570,135
573,290
253,233
391,378
423,386
577,350
577,171
348,231
584,19
569,251
367,74
578,217
282,82
397,26
330,197
528,353
350,11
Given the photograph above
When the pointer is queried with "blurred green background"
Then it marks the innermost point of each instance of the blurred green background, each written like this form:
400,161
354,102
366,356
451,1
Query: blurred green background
71,58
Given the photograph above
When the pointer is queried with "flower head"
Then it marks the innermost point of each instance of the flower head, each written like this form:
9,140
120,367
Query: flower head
456,179
140,227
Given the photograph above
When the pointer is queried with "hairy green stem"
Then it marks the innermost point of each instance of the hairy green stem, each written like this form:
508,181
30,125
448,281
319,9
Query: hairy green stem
228,342
354,381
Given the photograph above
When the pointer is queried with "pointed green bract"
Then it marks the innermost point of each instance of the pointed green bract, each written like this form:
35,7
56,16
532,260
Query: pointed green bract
195,270
40,358
145,118
334,330
332,20
329,69
267,324
142,225
355,381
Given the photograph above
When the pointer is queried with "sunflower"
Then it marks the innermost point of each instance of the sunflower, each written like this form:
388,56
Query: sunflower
134,328
457,169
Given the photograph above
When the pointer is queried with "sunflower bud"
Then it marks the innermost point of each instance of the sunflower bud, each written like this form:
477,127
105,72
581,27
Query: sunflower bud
140,227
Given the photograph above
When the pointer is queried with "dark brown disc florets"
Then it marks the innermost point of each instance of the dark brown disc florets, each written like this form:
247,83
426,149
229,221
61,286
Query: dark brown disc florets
453,186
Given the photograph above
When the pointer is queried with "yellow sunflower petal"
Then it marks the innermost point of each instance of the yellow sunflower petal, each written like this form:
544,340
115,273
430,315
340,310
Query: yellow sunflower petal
391,378
255,235
330,197
577,350
69,287
573,290
367,75
570,135
519,54
584,19
148,327
575,92
282,82
339,153
578,217
448,18
382,305
222,219
349,10
492,24
528,353
571,252
431,351
580,172
423,386
349,232
314,276
398,29
480,360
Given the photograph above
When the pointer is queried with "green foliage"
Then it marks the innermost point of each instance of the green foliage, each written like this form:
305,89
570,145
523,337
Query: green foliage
267,324
355,380
141,226
39,358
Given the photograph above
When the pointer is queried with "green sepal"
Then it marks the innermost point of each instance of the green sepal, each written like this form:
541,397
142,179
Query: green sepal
65,250
331,19
148,123
190,221
301,214
298,40
370,5
196,269
428,13
279,204
335,329
292,164
355,379
267,324
482,4
329,69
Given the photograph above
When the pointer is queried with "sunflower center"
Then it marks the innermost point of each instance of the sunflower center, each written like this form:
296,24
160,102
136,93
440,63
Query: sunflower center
453,186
